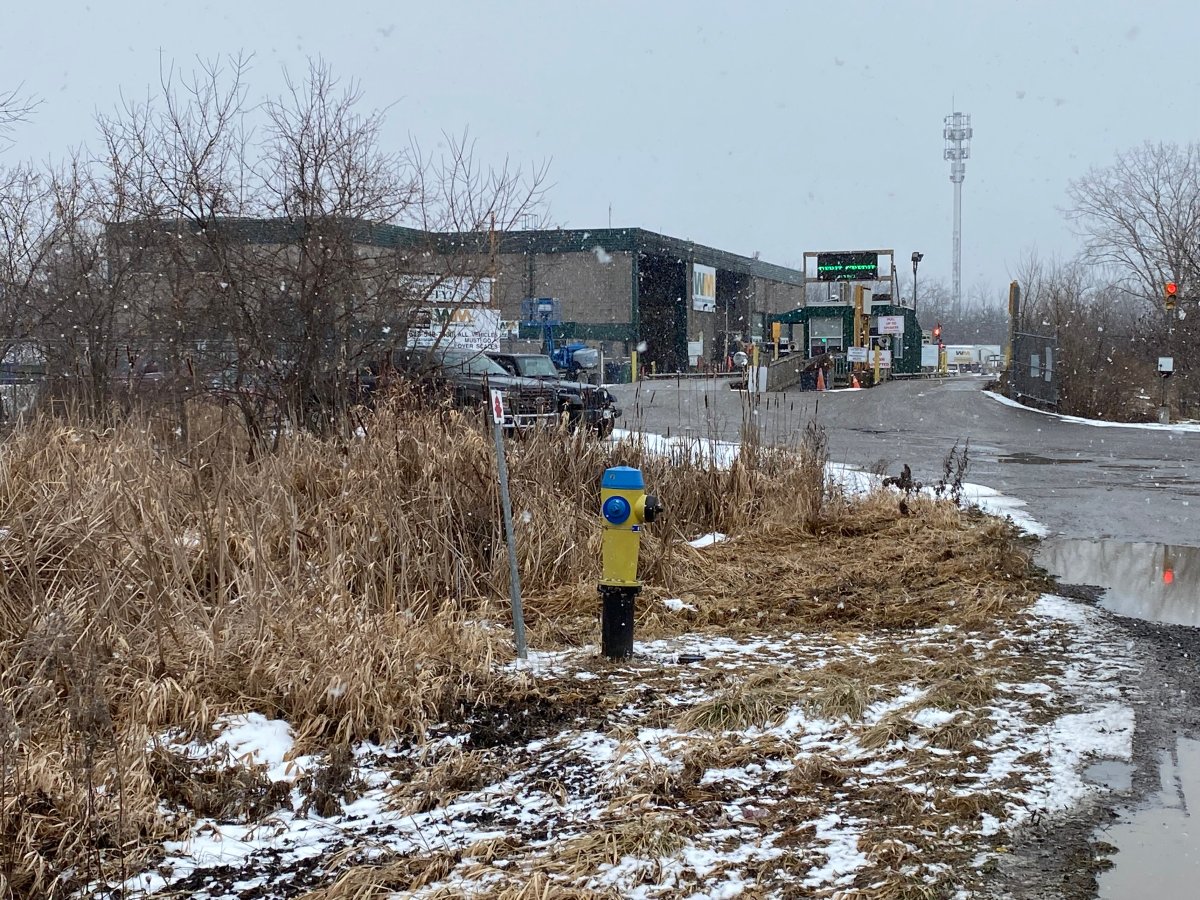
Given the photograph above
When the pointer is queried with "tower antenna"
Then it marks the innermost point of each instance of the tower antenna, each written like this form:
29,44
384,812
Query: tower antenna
957,132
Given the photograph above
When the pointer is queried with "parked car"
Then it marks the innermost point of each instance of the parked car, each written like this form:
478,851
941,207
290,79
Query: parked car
590,404
469,375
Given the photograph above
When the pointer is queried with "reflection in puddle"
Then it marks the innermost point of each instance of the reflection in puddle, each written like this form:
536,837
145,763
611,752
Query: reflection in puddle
1158,855
1144,581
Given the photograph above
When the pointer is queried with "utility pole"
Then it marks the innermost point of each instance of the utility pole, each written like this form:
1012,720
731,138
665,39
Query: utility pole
957,132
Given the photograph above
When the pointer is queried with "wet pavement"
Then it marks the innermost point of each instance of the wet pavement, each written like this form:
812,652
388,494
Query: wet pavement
1159,841
1081,481
1123,509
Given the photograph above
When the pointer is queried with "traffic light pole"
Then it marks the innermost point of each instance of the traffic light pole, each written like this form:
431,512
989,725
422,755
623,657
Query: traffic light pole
1170,305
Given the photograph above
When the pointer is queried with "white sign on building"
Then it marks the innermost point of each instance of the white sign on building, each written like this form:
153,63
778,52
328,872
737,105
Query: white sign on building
456,314
438,289
891,324
704,288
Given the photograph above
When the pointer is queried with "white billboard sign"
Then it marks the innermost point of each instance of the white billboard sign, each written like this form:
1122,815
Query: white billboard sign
704,288
891,324
929,356
458,328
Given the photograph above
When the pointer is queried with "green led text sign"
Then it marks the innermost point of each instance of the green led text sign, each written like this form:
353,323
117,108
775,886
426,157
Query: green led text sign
847,267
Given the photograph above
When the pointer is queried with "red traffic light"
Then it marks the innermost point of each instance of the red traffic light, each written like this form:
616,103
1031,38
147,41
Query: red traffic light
937,330
1168,576
1171,288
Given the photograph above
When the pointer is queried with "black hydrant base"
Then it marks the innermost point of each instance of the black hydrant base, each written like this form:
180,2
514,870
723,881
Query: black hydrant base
616,621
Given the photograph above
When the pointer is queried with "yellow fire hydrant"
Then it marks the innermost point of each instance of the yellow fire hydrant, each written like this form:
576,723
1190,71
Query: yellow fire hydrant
624,507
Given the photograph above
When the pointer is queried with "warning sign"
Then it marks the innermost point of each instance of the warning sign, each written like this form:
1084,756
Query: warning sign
497,406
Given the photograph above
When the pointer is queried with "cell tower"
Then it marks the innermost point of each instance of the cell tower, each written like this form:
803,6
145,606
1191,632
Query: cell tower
957,132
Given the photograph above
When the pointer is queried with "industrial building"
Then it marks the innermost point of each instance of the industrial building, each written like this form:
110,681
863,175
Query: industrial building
687,304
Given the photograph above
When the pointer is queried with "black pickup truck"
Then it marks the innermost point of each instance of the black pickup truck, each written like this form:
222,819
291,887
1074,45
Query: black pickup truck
468,375
590,404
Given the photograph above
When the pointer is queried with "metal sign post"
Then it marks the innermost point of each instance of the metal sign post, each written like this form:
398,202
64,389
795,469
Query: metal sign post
514,577
1166,366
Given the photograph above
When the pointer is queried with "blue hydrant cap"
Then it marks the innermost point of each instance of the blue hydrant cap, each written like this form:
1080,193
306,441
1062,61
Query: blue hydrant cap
616,510
623,478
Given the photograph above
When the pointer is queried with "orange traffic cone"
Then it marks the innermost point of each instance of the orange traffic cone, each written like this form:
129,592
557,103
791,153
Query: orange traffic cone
854,381
820,379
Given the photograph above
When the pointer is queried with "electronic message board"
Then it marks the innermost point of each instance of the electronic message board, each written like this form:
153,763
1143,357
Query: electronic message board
847,267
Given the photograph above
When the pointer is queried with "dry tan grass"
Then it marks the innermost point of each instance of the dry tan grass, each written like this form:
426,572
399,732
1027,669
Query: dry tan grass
892,727
760,701
819,769
652,835
380,880
354,588
450,777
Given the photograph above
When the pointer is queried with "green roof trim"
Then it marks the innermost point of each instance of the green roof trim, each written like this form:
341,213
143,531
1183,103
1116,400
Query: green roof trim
547,241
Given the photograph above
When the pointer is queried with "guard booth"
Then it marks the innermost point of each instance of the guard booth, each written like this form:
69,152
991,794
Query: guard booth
830,329
835,283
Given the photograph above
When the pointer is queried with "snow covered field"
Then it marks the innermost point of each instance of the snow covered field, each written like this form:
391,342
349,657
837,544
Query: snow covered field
772,761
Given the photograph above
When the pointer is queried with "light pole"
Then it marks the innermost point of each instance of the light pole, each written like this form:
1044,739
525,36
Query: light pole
916,260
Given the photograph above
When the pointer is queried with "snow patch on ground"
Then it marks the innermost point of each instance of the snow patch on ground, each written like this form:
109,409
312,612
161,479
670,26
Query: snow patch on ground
676,605
1183,427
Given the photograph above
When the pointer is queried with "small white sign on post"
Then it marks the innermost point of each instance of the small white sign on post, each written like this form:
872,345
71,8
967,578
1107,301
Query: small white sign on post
857,354
891,324
497,406
1166,365
885,359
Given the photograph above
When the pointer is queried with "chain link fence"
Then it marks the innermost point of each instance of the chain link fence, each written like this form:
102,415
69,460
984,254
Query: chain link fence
1034,375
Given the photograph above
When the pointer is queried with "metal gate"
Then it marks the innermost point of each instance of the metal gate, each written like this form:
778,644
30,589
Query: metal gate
1035,369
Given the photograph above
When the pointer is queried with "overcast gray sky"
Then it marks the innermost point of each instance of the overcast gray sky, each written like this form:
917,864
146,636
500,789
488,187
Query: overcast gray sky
751,126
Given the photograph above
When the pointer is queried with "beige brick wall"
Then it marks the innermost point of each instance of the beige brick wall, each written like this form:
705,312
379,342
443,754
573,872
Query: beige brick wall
775,297
591,290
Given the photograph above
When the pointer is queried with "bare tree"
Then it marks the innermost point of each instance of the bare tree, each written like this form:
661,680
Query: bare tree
277,264
28,234
1141,216
1140,219
1105,359
15,107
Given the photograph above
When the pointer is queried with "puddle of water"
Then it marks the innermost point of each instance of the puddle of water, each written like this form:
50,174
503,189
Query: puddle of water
1032,459
1112,774
1156,582
1159,845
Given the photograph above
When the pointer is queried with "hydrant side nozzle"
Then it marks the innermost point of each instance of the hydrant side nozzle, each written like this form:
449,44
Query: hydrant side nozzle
651,507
